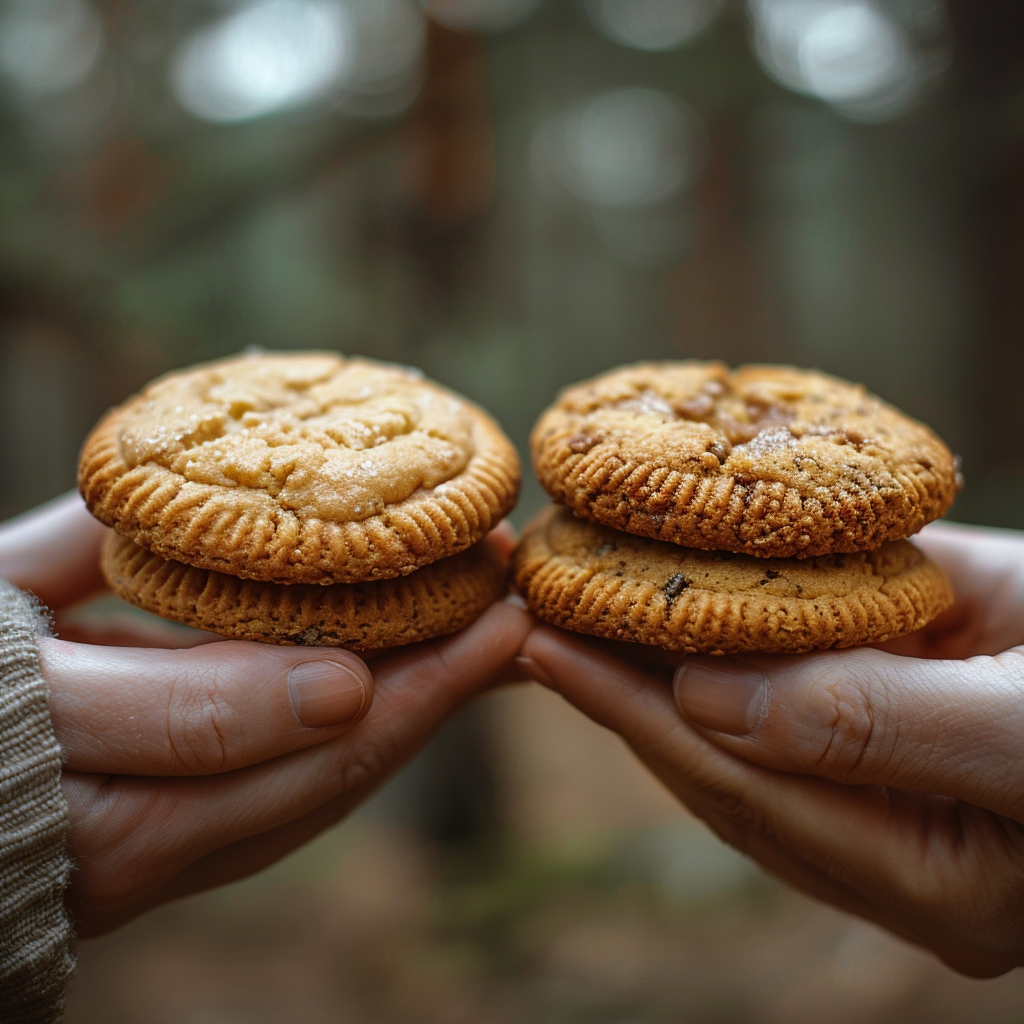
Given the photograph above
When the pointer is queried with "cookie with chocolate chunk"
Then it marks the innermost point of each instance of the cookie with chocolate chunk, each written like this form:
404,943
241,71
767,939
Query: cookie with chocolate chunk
300,468
767,461
592,579
433,601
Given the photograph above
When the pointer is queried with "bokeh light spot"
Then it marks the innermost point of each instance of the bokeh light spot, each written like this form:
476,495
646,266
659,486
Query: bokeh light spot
653,24
387,50
49,46
270,56
480,15
849,53
628,147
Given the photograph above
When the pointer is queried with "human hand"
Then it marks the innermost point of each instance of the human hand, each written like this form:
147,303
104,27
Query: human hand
187,769
888,782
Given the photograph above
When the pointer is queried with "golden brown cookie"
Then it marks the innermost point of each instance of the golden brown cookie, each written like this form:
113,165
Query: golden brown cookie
591,579
433,601
768,461
300,468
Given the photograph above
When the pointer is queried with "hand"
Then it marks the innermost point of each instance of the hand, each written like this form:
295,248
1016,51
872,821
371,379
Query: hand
187,769
888,782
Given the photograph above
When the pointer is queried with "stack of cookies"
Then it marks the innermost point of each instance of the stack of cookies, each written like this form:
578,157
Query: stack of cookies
716,511
302,499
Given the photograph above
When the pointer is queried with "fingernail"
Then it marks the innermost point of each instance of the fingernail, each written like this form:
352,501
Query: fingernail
533,671
325,693
728,695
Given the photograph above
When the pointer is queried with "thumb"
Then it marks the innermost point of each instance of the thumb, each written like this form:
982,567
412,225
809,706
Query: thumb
199,711
951,728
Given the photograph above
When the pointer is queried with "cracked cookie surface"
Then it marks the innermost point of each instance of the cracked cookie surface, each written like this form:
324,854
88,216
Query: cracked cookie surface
592,579
300,468
764,460
434,601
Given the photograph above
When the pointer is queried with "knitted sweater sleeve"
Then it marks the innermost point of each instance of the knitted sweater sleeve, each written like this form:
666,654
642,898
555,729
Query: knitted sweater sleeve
36,958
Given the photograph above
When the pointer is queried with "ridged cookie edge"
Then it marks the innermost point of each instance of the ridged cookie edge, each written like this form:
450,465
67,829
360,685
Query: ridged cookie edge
565,591
699,502
434,601
244,532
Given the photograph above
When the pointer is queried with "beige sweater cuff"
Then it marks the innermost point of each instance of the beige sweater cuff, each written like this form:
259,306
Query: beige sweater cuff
36,957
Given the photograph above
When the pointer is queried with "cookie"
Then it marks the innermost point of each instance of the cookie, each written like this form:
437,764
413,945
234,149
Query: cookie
592,579
300,468
767,461
433,601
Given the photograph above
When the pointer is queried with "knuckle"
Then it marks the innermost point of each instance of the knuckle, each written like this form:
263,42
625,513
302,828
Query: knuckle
366,767
732,817
733,808
113,866
853,738
727,808
203,732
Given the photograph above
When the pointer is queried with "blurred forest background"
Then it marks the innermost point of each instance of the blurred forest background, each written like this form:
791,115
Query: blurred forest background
514,195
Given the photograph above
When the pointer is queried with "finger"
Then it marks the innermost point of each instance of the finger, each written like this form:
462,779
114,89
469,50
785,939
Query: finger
956,634
209,709
98,909
54,551
503,537
628,699
247,856
638,706
867,717
938,873
135,835
941,873
760,838
986,569
129,631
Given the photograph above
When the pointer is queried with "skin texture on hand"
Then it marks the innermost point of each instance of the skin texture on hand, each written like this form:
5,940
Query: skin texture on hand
886,782
190,768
